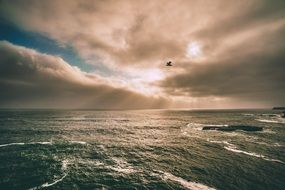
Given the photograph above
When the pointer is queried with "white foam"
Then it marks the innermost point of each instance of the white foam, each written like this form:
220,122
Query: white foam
233,148
276,144
248,114
13,144
55,182
219,142
268,144
215,125
199,126
187,184
64,165
196,126
122,166
78,142
271,120
102,147
91,162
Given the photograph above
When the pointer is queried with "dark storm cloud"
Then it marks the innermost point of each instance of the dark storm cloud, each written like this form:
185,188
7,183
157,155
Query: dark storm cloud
32,79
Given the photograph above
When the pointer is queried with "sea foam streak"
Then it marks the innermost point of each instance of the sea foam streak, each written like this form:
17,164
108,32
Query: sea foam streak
271,121
187,184
233,148
64,165
12,144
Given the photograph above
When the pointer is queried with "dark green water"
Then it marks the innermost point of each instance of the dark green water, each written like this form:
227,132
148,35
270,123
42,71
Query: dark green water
147,149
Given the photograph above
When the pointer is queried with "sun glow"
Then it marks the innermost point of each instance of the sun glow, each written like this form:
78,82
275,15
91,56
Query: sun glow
194,50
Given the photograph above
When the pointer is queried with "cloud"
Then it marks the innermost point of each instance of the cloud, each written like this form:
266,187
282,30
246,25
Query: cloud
31,79
252,73
133,33
242,44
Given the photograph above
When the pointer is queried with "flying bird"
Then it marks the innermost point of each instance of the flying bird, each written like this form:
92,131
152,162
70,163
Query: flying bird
169,63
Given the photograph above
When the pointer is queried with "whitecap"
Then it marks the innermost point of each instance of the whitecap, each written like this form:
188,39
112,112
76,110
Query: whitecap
186,184
196,126
78,142
64,164
271,120
121,166
248,114
102,147
219,142
199,126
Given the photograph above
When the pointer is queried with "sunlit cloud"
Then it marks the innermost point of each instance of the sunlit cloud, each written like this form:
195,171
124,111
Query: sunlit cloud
32,79
231,56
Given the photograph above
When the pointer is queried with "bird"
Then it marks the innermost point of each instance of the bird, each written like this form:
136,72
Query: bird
168,64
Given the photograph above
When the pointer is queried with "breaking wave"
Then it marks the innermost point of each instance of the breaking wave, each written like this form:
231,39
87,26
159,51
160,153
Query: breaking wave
271,120
233,148
77,142
199,126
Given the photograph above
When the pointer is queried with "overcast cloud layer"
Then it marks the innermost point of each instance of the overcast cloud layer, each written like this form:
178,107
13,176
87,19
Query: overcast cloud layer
237,59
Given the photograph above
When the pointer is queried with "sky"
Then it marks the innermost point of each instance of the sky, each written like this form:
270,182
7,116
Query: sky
111,54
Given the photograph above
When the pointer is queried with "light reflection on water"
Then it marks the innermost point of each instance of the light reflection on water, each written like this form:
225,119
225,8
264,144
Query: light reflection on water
146,149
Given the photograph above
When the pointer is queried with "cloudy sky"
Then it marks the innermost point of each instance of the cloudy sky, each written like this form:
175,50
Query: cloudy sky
111,54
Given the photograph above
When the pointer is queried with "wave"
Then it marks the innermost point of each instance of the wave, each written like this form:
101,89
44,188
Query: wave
13,144
186,184
268,144
64,164
53,183
121,166
248,114
270,115
233,148
271,120
199,126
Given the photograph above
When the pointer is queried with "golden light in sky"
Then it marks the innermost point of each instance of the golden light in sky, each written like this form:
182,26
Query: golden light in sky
98,54
194,50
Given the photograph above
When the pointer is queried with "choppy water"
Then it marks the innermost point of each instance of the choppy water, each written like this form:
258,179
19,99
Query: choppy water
150,149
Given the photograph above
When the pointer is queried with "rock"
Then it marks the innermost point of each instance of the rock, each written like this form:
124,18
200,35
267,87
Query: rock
278,108
234,128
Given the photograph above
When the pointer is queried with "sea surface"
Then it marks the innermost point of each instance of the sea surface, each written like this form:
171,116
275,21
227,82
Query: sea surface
142,149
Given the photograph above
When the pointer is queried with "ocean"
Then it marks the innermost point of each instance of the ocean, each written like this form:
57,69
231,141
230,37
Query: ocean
141,149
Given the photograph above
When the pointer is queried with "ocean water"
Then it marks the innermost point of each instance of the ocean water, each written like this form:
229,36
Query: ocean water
144,149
